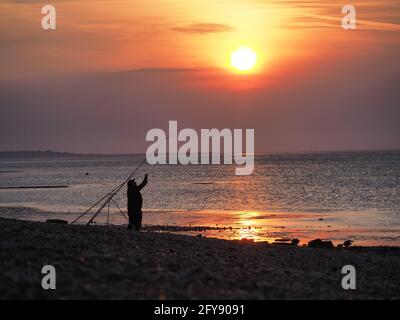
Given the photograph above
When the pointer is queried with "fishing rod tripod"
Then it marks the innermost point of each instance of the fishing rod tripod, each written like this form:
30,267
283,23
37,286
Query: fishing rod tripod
107,199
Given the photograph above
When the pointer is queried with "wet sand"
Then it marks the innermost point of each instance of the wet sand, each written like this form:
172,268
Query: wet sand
338,227
111,263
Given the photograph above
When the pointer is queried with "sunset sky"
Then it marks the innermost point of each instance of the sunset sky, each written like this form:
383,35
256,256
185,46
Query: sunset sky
115,69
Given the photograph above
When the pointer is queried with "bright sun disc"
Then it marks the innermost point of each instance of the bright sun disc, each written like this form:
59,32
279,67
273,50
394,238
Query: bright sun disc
243,59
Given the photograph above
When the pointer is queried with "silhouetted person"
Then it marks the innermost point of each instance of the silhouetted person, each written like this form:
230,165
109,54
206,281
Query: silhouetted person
135,202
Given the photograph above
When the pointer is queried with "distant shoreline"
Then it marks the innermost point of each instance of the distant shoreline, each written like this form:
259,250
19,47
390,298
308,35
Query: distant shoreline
50,154
32,187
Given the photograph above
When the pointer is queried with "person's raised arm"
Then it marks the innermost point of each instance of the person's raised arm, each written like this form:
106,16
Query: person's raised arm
144,182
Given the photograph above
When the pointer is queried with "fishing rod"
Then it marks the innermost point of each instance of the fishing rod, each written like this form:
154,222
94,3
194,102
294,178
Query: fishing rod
108,197
116,190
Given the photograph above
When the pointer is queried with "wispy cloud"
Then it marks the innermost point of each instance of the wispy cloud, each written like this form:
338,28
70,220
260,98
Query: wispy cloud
364,24
203,28
373,15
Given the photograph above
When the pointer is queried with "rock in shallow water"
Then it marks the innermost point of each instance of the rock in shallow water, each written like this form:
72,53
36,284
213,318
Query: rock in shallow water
348,243
57,221
318,243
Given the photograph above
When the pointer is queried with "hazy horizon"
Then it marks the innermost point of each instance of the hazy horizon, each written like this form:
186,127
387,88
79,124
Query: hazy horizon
255,153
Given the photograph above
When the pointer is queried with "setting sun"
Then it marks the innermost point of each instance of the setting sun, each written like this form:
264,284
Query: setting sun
243,59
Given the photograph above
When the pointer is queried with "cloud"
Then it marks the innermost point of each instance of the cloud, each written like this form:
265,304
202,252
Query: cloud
371,15
365,24
154,70
203,28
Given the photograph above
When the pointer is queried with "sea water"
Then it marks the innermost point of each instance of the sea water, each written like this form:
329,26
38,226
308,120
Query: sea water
334,196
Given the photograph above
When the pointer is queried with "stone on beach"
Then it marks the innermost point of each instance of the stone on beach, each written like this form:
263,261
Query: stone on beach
347,243
57,221
295,242
318,243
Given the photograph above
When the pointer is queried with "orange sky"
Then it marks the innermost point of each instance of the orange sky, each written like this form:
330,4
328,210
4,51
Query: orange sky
103,35
315,86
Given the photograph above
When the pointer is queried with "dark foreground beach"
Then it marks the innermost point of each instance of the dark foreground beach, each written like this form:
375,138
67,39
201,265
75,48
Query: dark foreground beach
111,263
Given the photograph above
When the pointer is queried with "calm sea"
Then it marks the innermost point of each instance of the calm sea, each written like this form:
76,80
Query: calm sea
330,195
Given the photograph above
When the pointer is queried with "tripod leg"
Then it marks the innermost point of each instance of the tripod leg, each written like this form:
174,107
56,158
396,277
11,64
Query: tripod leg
108,214
100,209
122,213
